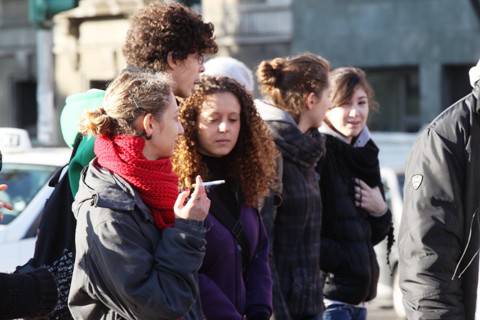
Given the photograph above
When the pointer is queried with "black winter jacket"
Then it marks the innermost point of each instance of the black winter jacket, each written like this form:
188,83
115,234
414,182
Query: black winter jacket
439,232
348,232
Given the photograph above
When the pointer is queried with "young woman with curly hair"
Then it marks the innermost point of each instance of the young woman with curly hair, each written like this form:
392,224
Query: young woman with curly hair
296,99
139,243
355,214
225,139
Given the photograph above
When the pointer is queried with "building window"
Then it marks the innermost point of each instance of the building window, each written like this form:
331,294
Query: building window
398,94
13,13
455,83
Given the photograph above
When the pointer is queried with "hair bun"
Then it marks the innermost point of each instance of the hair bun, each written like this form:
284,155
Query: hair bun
270,73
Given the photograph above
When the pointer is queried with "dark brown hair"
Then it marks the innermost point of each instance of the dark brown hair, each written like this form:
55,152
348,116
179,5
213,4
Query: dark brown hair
344,81
253,160
130,95
163,28
286,81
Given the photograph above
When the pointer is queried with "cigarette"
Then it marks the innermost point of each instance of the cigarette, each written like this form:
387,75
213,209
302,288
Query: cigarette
212,183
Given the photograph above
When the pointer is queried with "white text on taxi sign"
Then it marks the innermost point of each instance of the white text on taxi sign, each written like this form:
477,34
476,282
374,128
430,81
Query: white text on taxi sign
14,140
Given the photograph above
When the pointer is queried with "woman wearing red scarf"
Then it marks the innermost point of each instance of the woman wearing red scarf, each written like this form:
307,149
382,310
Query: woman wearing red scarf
139,243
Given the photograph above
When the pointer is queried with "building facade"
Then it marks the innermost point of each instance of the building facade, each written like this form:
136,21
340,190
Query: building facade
416,53
17,65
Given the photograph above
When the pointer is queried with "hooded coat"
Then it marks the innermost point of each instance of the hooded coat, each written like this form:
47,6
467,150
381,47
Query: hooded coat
125,267
294,229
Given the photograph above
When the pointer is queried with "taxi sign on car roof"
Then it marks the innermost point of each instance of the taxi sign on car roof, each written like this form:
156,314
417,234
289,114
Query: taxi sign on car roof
14,140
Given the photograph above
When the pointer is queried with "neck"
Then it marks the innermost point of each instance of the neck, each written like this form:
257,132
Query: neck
217,167
303,124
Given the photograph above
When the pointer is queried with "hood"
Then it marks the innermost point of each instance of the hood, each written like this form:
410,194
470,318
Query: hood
474,74
305,149
105,189
75,107
268,112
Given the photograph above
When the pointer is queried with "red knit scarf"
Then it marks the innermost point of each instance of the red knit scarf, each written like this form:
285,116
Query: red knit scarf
153,179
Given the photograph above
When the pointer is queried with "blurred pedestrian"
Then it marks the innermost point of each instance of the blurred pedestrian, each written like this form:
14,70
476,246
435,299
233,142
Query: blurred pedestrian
355,214
439,231
225,139
232,68
296,99
138,244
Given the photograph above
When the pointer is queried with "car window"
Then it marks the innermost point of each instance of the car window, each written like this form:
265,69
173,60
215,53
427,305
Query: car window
24,181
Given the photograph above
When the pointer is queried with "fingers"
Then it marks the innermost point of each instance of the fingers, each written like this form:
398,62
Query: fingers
180,202
199,190
3,187
6,205
361,184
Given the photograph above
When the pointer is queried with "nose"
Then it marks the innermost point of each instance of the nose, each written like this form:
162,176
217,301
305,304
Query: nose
223,126
353,112
180,128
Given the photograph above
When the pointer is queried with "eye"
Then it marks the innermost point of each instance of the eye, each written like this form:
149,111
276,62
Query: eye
212,120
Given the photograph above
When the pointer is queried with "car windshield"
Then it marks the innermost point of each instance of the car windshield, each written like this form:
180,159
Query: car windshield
24,181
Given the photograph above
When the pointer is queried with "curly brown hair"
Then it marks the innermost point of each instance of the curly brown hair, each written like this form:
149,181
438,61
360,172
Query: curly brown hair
253,159
344,81
286,80
162,28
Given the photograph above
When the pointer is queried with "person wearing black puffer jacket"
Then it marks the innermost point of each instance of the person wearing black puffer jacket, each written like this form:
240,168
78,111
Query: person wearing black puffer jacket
355,215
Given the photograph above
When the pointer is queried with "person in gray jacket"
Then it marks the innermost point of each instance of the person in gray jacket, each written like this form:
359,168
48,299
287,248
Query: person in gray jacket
439,232
139,243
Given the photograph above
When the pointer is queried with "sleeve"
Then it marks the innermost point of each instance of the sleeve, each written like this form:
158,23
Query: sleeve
259,280
215,304
149,285
380,226
431,231
268,213
37,287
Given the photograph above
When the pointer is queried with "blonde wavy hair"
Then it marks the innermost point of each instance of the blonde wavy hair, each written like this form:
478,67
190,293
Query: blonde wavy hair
253,159
286,81
131,94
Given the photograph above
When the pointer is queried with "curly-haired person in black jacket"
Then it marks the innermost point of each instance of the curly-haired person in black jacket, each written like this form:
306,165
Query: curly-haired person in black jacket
355,214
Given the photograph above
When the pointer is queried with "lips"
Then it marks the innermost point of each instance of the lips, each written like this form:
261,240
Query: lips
222,141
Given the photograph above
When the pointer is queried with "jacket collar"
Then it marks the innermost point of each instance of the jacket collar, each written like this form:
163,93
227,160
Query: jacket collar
108,190
359,142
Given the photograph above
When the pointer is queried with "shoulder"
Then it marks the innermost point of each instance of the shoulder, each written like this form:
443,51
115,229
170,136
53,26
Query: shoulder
454,124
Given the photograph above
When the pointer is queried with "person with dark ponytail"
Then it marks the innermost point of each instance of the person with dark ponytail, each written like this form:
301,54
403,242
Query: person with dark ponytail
296,98
355,214
139,243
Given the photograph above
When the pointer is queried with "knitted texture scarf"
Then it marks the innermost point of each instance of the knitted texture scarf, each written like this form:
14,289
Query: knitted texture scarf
153,179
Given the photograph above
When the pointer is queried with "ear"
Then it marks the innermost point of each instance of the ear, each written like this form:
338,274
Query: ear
172,63
148,124
311,100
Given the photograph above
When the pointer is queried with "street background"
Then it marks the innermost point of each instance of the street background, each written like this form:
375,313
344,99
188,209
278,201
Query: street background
416,54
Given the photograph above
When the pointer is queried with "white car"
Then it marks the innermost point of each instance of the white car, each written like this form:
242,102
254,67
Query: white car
26,171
